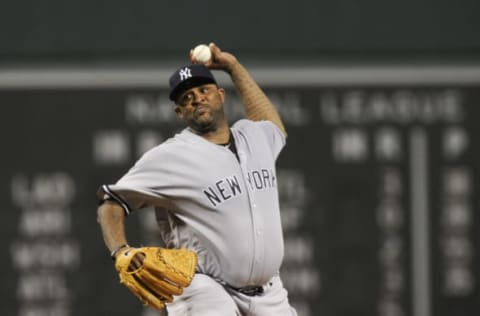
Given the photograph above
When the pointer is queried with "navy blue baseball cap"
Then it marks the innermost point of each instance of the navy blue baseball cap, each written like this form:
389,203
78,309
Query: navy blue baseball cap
187,77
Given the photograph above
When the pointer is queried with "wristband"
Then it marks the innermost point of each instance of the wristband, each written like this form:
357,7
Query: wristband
114,252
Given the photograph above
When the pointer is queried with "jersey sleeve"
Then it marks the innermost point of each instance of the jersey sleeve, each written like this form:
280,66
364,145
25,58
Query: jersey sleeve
273,135
146,183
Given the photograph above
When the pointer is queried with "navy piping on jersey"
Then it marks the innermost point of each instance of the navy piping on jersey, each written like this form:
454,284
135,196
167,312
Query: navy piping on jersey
231,145
117,199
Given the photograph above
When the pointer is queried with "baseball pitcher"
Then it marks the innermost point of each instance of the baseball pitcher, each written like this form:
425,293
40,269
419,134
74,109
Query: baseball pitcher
215,193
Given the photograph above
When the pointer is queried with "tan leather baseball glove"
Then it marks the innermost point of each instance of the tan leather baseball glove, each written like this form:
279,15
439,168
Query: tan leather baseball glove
155,274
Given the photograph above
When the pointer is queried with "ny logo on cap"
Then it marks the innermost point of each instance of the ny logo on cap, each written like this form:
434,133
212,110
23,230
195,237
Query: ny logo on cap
185,73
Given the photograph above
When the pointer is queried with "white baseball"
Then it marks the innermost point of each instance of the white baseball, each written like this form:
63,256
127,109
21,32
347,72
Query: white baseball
202,53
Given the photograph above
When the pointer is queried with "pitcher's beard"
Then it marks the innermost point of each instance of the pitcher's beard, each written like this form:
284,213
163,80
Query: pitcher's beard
206,122
203,127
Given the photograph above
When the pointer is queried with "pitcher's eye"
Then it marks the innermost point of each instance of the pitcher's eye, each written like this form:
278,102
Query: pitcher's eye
186,99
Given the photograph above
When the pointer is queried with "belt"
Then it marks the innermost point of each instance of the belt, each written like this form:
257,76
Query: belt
251,290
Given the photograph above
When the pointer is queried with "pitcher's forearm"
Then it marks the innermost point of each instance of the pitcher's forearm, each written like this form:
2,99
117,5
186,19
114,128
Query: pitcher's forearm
257,105
111,218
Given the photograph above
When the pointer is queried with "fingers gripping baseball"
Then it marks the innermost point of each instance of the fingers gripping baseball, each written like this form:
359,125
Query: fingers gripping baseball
155,274
213,58
201,54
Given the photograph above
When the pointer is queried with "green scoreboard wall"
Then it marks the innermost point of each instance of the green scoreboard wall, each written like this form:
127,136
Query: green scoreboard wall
302,31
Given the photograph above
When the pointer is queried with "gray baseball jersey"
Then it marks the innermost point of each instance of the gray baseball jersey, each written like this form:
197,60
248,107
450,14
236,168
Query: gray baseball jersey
226,209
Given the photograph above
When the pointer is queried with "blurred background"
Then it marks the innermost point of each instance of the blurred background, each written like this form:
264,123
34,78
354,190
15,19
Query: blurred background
378,181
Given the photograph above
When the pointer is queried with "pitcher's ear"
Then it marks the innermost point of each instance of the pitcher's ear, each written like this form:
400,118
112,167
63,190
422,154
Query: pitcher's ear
222,93
178,111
